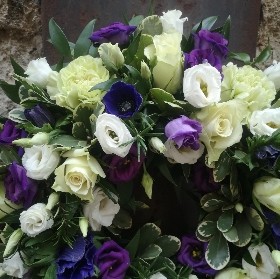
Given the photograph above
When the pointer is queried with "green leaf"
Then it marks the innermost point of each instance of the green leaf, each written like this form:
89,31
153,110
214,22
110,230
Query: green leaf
217,252
58,39
169,245
67,141
51,272
225,221
226,28
136,20
206,23
151,25
162,166
132,246
83,43
234,183
17,115
244,231
160,97
240,56
263,56
122,220
151,252
11,91
254,219
248,258
207,228
18,70
8,155
148,235
222,167
231,235
105,85
79,131
211,202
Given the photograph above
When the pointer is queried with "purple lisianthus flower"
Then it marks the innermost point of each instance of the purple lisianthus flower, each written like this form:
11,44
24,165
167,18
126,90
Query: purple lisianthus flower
10,133
77,262
20,189
199,56
116,32
39,115
122,100
124,169
214,41
184,132
112,260
203,180
267,155
192,253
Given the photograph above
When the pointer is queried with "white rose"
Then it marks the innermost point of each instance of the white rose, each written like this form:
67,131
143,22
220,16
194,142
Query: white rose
232,273
38,72
265,122
111,133
40,161
78,174
183,155
13,266
158,275
265,267
101,211
35,219
166,54
202,85
171,21
273,74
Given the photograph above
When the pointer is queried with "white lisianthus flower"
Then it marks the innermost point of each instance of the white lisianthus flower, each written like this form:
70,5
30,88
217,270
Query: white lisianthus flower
40,161
14,266
183,155
267,191
221,126
192,276
202,85
171,21
113,135
78,174
101,211
232,273
38,72
111,56
165,53
265,267
264,122
249,85
158,275
276,256
36,219
273,74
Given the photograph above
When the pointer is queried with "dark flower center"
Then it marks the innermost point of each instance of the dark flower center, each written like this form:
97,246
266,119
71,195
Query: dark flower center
125,106
196,253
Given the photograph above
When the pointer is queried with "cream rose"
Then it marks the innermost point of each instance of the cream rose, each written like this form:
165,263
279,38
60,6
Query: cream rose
40,161
101,211
38,72
165,53
14,266
202,85
36,219
172,21
265,122
113,135
183,155
75,81
265,268
78,174
222,126
267,191
273,74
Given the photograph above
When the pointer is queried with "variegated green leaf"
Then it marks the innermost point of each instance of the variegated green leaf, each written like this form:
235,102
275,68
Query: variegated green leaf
225,221
169,245
122,220
211,202
244,231
217,252
151,252
151,25
148,235
231,235
254,219
207,228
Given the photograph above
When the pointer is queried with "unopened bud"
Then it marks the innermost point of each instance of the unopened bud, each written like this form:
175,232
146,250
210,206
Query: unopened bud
83,223
52,200
147,183
145,70
239,207
12,242
38,139
157,145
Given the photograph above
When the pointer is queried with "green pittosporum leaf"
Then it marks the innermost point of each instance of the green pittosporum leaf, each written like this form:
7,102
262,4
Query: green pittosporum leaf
151,252
243,57
169,245
206,229
206,23
263,56
222,167
254,218
244,231
225,221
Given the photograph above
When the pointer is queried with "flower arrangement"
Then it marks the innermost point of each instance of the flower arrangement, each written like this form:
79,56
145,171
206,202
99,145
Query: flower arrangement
142,154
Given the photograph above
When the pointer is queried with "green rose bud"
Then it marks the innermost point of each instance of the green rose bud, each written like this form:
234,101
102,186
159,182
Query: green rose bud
12,242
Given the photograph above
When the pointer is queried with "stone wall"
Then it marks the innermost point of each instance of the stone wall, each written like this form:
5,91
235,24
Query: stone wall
20,35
